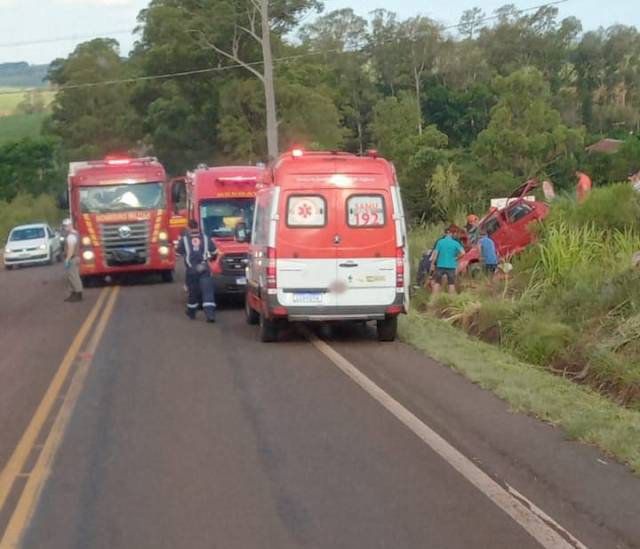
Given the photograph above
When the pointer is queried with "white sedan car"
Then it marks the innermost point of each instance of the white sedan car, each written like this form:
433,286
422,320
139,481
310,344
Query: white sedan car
32,244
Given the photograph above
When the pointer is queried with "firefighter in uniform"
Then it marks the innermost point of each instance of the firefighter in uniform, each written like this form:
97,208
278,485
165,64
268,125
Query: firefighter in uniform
197,251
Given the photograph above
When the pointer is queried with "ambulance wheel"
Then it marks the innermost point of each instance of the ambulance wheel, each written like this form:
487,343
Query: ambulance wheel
251,315
387,328
268,330
167,276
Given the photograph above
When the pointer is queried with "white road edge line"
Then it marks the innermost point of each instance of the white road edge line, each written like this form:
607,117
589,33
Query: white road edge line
547,532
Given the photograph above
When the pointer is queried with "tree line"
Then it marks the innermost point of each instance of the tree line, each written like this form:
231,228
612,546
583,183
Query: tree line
466,114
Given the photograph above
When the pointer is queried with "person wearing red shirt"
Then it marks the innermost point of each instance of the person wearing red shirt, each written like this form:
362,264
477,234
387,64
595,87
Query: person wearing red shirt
583,188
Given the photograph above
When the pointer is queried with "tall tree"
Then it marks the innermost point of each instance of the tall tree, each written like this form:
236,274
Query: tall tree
253,21
93,120
525,134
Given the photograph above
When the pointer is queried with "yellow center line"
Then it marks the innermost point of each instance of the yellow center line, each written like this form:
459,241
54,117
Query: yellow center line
31,494
16,463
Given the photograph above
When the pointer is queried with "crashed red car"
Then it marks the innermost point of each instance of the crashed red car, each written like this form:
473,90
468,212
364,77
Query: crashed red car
508,227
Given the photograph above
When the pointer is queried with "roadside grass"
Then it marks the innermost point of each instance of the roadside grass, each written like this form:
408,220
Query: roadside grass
582,413
20,126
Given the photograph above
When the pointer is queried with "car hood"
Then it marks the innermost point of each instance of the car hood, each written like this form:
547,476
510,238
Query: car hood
523,190
22,244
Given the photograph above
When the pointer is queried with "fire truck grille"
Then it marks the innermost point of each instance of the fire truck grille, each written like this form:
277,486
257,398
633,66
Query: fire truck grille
234,264
125,243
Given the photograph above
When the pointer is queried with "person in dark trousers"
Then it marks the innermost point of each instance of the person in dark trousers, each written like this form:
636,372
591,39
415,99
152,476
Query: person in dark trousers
488,253
445,261
197,250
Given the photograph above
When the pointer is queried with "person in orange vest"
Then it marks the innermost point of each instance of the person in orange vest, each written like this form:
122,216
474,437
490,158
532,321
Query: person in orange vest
583,188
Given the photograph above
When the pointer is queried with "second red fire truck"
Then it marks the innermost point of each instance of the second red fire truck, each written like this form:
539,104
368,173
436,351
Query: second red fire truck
219,199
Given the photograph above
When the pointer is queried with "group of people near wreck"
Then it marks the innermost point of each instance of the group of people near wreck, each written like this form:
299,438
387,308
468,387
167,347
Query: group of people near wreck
439,265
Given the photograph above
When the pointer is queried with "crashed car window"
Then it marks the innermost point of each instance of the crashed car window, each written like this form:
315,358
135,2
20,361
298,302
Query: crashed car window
518,211
491,225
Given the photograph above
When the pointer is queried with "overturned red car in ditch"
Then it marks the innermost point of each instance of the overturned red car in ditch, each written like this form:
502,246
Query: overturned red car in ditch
509,227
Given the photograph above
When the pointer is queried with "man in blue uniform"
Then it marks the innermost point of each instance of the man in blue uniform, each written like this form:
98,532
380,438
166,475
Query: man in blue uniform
197,250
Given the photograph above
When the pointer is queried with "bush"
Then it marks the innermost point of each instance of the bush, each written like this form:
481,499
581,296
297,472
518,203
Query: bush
27,209
539,338
612,207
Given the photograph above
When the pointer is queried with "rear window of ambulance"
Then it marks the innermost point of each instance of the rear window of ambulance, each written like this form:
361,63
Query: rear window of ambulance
306,211
366,211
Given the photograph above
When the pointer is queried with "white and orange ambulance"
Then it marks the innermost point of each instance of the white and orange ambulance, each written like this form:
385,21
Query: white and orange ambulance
328,243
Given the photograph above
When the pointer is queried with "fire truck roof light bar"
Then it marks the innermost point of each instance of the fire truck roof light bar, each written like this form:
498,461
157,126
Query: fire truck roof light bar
237,179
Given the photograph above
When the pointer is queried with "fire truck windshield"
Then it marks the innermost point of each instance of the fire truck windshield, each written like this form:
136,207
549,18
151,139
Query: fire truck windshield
119,198
220,216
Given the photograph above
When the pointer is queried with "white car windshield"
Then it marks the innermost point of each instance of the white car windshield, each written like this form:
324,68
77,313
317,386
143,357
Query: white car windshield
28,233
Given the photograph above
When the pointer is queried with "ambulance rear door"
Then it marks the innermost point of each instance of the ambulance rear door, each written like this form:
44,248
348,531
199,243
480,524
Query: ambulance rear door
366,248
305,248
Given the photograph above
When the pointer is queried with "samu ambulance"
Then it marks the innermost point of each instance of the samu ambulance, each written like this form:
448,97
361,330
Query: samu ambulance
329,243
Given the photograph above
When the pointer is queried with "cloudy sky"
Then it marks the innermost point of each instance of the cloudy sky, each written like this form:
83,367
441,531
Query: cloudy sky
24,22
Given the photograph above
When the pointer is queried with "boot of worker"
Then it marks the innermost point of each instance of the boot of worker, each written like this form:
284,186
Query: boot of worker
210,312
74,296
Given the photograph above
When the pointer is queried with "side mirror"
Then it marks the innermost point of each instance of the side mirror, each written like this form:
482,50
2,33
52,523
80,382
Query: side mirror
242,233
178,189
63,200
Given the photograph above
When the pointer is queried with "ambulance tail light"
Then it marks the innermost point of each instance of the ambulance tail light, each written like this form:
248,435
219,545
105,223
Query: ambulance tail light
272,280
400,267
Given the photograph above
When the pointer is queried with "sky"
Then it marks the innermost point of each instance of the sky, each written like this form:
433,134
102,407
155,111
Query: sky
45,21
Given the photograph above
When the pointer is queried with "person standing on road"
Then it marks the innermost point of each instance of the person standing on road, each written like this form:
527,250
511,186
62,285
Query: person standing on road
197,250
488,253
445,261
72,261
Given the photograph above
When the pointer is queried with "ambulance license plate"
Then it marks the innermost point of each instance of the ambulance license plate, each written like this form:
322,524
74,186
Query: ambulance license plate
242,281
307,298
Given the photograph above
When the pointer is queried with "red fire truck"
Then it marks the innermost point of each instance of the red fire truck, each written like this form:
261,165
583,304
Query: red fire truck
219,199
120,207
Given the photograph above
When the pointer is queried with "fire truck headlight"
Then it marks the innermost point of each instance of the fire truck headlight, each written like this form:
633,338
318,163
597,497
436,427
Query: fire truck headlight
162,235
163,251
88,255
86,241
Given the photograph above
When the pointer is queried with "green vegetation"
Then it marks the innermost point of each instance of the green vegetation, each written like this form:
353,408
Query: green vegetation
573,305
581,412
27,209
19,126
464,119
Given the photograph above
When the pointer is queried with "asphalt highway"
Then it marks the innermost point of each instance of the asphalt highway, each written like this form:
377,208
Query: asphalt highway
125,425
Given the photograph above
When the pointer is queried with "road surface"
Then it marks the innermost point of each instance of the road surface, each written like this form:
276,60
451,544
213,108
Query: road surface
125,425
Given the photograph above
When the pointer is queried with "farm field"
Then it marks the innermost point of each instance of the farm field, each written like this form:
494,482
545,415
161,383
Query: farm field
19,126
10,98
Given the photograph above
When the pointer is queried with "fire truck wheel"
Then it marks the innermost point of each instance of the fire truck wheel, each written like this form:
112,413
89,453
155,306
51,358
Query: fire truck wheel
167,276
251,315
268,330
387,328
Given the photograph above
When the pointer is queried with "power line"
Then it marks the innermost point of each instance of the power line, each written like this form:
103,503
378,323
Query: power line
68,38
237,65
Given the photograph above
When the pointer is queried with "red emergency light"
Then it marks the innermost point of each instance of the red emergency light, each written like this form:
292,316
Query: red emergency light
297,153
